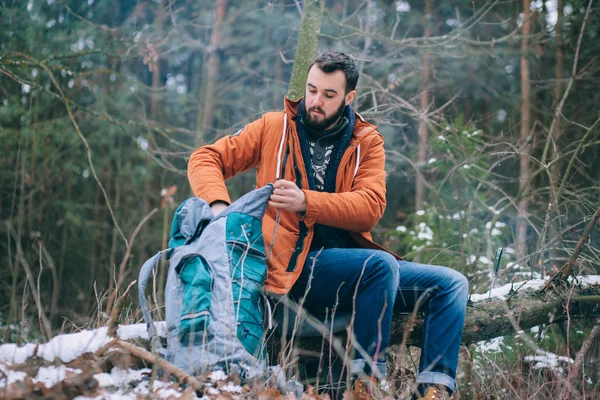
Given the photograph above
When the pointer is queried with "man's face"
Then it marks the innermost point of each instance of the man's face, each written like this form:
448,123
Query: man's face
325,98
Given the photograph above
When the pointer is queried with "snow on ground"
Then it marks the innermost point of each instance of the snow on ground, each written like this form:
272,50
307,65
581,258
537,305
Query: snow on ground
50,376
131,384
503,291
9,376
67,347
118,384
492,345
544,359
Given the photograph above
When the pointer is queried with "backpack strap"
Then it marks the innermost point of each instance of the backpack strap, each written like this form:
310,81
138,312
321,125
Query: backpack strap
145,272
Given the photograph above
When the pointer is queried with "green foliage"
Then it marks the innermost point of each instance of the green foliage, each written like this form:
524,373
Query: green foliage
459,227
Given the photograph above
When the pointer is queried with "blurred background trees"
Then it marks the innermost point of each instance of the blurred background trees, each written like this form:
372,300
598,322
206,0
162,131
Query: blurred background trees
489,111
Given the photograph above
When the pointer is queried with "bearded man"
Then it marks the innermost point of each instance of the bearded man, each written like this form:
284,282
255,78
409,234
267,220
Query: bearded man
327,165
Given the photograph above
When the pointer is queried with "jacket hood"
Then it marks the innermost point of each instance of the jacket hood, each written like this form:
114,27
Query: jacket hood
362,127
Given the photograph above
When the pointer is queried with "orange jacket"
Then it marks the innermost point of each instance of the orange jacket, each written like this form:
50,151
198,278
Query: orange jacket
357,205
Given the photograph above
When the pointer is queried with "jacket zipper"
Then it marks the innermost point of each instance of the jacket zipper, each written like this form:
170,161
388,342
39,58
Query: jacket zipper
303,228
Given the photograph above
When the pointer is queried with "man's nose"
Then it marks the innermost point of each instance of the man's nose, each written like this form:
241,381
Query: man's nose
317,100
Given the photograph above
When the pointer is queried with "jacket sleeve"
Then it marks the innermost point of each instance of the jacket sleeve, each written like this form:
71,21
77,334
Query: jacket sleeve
211,165
361,208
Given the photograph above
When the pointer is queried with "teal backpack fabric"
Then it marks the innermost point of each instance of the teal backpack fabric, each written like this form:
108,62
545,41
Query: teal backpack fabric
213,296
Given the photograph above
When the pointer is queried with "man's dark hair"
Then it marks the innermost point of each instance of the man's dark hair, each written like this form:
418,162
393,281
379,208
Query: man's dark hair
331,61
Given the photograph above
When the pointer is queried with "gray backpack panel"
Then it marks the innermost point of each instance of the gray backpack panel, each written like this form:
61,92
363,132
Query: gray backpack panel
213,307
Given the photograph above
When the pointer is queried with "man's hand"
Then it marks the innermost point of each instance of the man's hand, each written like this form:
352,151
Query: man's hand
217,206
287,196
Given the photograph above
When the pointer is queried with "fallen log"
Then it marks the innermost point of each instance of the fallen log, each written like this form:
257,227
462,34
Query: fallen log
488,319
494,318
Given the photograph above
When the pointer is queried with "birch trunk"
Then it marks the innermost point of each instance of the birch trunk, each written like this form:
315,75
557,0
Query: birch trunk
306,50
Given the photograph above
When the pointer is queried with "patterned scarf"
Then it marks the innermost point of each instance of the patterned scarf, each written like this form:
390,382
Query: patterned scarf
336,142
339,136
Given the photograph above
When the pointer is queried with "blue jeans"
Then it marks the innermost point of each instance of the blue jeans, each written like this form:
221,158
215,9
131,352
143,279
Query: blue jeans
368,282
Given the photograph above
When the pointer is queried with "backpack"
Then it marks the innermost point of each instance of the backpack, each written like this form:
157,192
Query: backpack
213,304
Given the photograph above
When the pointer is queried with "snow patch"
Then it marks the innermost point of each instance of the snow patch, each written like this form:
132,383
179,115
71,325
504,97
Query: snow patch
67,347
230,387
8,376
50,376
122,377
544,359
217,375
503,291
492,345
104,379
485,260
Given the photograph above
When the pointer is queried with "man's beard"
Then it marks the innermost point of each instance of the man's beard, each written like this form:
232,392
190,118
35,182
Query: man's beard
314,125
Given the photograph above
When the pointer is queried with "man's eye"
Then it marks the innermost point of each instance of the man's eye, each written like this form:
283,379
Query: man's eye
329,96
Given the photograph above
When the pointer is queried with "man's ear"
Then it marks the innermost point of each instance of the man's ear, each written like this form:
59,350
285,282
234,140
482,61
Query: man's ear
350,96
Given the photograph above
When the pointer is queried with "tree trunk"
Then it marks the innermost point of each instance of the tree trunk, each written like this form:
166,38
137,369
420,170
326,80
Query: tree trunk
95,227
63,253
12,315
115,234
278,75
199,139
306,50
368,27
149,179
556,131
214,64
114,64
524,135
425,100
33,169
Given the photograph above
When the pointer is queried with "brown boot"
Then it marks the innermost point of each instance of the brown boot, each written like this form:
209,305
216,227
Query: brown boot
431,392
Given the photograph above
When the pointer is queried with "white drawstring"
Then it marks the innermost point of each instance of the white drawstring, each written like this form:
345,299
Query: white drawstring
277,174
357,160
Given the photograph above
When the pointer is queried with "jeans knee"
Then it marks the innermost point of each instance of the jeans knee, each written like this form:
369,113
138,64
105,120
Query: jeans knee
460,285
386,268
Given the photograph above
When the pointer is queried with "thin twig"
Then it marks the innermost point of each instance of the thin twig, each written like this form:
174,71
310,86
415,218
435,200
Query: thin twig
46,326
579,359
126,258
113,322
178,373
565,271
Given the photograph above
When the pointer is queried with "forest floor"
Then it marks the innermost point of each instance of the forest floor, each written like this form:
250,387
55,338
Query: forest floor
90,364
